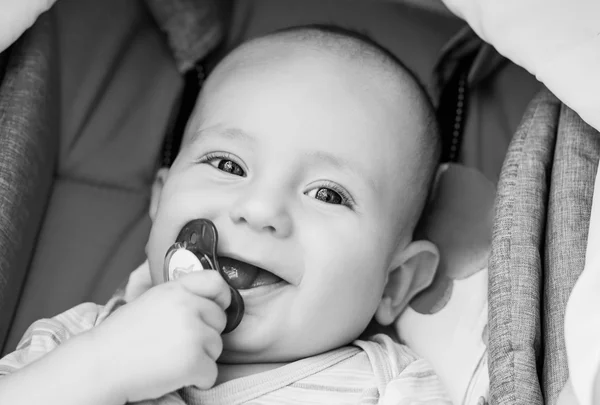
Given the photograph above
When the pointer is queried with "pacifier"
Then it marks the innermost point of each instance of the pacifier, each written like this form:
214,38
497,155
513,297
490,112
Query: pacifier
195,249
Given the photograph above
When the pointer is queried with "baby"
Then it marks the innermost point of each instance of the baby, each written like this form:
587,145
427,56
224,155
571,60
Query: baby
312,150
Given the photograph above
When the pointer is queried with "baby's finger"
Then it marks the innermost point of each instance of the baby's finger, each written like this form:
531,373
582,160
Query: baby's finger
208,284
205,378
213,344
204,371
212,314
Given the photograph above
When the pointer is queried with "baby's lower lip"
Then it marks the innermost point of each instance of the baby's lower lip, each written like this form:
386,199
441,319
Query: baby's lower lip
262,291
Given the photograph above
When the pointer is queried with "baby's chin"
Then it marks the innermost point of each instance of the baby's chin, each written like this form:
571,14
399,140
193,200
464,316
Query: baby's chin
266,355
240,349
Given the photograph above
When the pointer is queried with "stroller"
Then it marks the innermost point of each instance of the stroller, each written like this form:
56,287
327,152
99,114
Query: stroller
87,114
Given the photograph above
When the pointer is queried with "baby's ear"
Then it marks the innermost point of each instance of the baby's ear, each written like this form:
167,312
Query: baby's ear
413,270
157,187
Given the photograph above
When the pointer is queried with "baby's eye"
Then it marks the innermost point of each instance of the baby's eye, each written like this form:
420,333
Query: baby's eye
230,166
224,163
326,195
331,193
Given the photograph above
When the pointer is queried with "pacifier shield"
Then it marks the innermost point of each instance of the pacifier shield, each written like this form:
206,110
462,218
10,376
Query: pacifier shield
194,250
200,237
181,261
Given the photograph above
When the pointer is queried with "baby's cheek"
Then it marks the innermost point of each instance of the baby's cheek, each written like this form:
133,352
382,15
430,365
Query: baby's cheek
157,247
357,282
343,255
156,261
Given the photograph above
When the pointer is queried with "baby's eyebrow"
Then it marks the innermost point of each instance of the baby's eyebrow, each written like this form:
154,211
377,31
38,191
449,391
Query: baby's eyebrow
228,133
342,164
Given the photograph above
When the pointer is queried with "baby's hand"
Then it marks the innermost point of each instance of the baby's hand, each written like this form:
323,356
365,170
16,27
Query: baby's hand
170,337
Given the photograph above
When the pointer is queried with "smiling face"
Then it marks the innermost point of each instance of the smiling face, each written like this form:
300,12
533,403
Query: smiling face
304,163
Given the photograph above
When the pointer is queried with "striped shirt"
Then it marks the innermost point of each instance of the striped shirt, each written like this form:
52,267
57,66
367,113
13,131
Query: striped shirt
374,371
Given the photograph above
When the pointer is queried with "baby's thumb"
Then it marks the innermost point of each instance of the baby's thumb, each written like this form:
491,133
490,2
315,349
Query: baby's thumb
208,284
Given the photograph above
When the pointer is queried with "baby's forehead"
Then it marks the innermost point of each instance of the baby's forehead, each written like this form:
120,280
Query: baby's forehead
266,65
346,54
264,60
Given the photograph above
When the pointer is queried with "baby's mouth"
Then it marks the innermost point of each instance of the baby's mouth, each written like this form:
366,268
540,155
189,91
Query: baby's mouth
244,276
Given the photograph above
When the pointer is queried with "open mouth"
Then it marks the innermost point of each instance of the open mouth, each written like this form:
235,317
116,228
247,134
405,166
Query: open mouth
244,276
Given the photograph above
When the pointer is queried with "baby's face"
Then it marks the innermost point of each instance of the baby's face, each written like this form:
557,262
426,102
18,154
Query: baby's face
301,165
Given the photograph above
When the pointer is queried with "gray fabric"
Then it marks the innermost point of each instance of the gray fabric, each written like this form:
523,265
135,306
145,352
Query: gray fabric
117,89
29,140
515,271
496,109
538,250
193,28
573,176
499,92
414,35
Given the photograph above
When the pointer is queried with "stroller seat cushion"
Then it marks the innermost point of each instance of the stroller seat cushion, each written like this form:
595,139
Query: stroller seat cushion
447,323
117,93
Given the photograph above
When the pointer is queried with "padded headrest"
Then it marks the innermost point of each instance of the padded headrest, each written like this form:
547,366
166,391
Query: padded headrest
447,323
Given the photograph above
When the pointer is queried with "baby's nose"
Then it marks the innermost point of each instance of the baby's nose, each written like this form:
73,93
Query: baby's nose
263,212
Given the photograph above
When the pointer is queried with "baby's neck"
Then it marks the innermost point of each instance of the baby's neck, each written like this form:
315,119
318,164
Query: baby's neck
228,372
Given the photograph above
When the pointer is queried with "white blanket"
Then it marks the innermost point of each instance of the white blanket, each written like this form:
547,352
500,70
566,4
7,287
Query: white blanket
582,317
558,41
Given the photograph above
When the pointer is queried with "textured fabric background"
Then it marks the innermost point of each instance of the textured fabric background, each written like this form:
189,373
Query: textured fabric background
193,28
28,149
573,177
116,96
515,272
540,235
